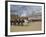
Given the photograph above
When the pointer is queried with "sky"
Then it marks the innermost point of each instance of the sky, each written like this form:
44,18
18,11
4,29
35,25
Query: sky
25,10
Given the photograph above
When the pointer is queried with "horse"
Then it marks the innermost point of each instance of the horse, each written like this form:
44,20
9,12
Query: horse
22,21
12,22
17,22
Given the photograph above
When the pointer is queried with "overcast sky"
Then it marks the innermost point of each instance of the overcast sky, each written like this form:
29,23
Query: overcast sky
25,10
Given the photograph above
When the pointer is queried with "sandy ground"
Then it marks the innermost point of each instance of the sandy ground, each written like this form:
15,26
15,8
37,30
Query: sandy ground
32,26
